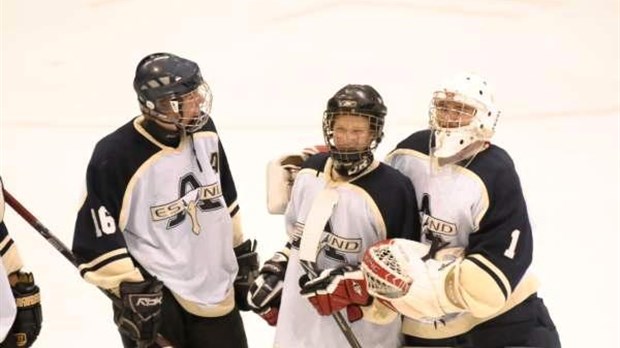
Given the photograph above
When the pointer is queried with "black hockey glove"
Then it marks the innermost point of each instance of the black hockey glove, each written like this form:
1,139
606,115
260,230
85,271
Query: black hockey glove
27,324
247,259
266,292
140,314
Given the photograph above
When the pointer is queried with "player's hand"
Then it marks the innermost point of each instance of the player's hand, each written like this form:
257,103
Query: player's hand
335,289
28,319
265,294
140,314
247,259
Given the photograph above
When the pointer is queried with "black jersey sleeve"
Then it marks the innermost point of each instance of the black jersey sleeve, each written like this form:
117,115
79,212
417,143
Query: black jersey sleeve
504,237
500,251
98,241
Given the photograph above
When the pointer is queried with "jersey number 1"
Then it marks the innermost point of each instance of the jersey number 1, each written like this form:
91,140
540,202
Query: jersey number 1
514,237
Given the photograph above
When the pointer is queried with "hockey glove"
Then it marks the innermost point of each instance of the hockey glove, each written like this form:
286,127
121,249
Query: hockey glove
335,289
140,314
247,259
27,324
265,294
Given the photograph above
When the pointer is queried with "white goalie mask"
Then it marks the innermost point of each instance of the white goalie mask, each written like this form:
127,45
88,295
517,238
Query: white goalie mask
462,118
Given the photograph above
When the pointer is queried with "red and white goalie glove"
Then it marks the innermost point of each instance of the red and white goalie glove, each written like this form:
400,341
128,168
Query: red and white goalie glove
335,289
281,174
399,278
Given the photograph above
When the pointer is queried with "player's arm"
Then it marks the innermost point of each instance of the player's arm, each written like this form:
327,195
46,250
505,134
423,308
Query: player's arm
26,308
478,279
499,252
101,251
98,241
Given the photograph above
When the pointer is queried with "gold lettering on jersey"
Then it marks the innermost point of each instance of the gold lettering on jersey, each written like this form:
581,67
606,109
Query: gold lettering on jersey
435,225
182,205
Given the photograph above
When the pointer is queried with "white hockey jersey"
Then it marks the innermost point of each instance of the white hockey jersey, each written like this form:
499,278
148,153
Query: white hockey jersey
376,205
8,256
481,209
165,210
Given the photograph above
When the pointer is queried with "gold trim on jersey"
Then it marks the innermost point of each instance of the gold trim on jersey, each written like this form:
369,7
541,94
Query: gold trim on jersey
11,259
112,274
137,124
237,229
216,310
496,271
466,321
129,190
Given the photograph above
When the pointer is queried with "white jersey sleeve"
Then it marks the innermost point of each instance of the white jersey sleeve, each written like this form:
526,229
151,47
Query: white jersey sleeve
7,303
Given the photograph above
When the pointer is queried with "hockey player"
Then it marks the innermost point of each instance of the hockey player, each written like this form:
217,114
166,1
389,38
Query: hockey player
478,290
346,201
20,302
160,224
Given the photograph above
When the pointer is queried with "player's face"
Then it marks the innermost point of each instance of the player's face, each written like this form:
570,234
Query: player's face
352,132
188,108
453,114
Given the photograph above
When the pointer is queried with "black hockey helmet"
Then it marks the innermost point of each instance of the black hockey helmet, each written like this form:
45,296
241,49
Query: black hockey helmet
171,89
354,100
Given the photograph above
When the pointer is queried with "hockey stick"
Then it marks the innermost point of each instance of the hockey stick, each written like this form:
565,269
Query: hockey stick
319,214
66,252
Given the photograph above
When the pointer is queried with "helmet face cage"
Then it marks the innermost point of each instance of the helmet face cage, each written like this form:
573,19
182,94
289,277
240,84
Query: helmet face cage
188,112
448,110
351,161
354,100
462,116
171,90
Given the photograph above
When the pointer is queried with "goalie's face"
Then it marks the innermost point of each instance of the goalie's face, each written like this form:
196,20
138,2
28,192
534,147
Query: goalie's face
352,132
450,113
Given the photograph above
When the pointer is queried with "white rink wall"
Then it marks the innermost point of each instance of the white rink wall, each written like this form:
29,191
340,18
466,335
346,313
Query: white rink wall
67,68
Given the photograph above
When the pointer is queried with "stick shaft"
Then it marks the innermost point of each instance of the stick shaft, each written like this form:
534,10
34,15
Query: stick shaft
63,249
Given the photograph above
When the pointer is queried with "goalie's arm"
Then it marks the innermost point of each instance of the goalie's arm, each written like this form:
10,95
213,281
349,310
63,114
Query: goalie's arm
499,252
482,279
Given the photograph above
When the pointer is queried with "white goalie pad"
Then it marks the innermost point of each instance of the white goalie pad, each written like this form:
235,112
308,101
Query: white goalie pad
281,174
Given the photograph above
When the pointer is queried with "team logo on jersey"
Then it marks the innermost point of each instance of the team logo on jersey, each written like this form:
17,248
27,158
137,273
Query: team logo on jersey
335,247
432,225
192,198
